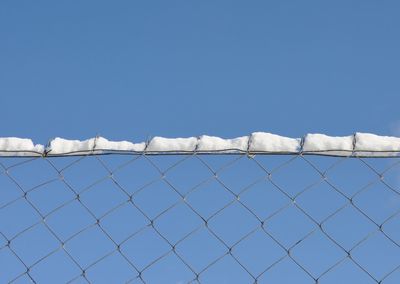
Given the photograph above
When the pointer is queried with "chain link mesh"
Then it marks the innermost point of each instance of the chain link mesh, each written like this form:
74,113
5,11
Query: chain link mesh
200,219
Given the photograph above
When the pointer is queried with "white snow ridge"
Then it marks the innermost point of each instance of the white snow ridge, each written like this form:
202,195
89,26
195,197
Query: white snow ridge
358,144
12,146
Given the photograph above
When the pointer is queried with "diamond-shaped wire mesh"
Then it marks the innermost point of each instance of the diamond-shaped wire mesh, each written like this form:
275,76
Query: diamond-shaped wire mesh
200,219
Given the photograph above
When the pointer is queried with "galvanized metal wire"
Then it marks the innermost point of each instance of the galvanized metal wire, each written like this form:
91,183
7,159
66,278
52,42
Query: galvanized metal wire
193,218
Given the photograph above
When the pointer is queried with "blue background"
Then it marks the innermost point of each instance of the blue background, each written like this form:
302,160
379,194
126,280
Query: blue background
131,70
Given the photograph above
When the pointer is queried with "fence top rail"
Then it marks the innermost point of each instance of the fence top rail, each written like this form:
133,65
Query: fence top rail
257,143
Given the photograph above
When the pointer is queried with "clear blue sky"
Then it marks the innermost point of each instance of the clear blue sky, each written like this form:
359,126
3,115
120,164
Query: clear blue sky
134,69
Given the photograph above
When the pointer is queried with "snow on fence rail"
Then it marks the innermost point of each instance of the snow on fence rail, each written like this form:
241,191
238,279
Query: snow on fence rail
280,210
358,144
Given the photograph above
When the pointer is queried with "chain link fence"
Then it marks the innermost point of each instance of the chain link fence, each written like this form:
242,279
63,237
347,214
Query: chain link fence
199,219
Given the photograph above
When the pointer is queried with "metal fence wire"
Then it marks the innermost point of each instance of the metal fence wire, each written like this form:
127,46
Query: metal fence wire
199,219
